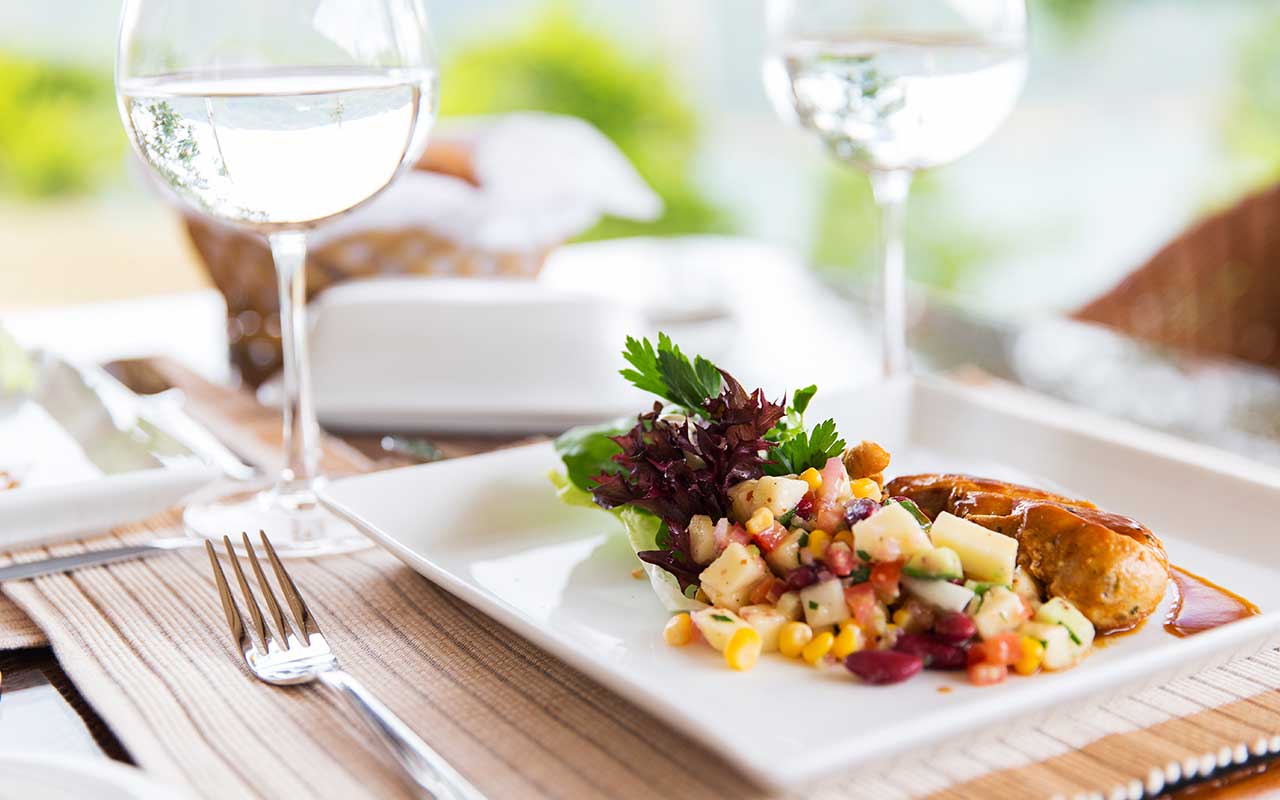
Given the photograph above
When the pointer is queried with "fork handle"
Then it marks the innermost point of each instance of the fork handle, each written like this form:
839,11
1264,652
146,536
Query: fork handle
424,766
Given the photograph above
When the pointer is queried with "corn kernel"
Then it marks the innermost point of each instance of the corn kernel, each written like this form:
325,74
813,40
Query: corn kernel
760,521
850,640
812,477
865,487
679,630
743,649
792,637
818,542
901,617
1032,655
815,650
845,536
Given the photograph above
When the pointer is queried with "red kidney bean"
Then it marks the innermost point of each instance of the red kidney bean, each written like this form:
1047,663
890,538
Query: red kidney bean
804,509
935,653
858,510
801,577
883,666
955,627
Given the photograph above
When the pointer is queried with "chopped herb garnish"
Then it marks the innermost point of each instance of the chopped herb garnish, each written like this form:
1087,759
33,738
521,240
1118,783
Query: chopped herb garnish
785,519
864,555
813,604
1074,638
721,618
860,575
804,539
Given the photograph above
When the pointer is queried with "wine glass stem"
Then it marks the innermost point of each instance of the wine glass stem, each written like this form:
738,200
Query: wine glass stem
890,188
301,432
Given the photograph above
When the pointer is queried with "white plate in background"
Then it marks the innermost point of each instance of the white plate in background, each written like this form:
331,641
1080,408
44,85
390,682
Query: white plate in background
50,776
561,576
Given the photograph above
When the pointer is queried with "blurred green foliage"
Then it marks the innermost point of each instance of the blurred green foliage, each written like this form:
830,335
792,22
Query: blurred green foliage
1253,118
557,63
941,251
59,133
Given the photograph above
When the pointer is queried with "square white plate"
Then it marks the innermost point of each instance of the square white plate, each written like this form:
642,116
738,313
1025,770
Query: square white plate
490,530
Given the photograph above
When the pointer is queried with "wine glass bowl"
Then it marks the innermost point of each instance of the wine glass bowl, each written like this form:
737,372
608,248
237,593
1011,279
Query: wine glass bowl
275,117
892,87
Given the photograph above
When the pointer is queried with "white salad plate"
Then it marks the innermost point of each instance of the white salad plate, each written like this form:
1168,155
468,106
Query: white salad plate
490,530
55,776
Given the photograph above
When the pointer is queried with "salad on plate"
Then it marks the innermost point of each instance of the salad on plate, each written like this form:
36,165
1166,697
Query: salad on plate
764,535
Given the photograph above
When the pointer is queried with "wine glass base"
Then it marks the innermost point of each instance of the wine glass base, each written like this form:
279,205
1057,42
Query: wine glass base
297,525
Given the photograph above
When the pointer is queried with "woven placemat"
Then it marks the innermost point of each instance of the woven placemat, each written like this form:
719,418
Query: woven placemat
145,644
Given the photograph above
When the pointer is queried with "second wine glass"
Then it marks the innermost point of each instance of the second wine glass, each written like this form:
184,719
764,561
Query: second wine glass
892,87
274,117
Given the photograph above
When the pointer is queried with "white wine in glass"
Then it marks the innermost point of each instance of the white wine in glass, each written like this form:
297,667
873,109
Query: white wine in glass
275,116
895,86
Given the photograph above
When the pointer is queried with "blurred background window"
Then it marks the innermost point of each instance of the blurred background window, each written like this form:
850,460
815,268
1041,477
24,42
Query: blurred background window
1139,117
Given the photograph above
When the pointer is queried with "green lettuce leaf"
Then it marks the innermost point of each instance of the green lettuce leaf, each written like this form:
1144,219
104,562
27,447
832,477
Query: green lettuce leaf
588,450
642,530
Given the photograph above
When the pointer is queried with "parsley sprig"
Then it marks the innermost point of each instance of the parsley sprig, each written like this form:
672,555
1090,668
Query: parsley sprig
794,449
669,374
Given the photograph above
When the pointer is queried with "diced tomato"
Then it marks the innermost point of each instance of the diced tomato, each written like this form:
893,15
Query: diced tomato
861,600
985,673
770,537
884,579
804,508
840,559
767,590
738,534
829,515
1003,649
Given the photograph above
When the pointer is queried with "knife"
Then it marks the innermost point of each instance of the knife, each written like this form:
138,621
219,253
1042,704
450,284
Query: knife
94,558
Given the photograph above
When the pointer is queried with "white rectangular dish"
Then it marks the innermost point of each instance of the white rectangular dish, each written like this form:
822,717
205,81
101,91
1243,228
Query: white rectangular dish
490,530
82,457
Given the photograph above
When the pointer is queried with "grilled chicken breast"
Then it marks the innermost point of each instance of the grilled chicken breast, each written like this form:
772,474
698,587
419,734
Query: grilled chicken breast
1111,567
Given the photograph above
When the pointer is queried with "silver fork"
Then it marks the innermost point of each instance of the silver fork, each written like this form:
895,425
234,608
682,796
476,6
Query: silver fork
284,656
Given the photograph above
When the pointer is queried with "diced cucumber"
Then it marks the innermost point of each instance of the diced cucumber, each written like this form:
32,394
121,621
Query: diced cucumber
936,563
943,594
889,534
717,625
986,555
981,587
1060,611
1001,611
1059,651
920,516
823,603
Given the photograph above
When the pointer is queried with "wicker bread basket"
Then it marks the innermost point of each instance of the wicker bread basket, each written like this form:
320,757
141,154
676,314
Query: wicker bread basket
241,267
1213,290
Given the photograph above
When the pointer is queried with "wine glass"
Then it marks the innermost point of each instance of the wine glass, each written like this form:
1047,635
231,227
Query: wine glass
895,86
274,116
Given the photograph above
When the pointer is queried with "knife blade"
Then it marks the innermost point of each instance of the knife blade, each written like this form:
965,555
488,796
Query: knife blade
93,558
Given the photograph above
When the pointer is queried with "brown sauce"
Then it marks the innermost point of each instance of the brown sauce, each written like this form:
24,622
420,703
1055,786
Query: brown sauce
1200,604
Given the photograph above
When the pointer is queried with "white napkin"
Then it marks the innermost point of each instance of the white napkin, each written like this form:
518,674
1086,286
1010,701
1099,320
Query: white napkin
542,180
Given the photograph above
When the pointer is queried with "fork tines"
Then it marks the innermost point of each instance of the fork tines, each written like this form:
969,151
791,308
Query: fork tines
304,624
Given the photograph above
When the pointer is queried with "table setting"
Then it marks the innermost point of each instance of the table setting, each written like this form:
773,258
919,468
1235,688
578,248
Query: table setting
431,496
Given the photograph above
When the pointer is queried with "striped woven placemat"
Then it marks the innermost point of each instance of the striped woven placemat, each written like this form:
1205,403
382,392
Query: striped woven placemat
145,645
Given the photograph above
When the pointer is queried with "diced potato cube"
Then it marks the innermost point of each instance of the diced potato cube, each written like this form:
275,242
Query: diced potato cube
779,495
1059,651
717,625
702,539
1060,611
889,534
823,603
937,562
1026,587
767,621
1001,611
786,556
789,606
986,555
729,579
742,498
943,594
